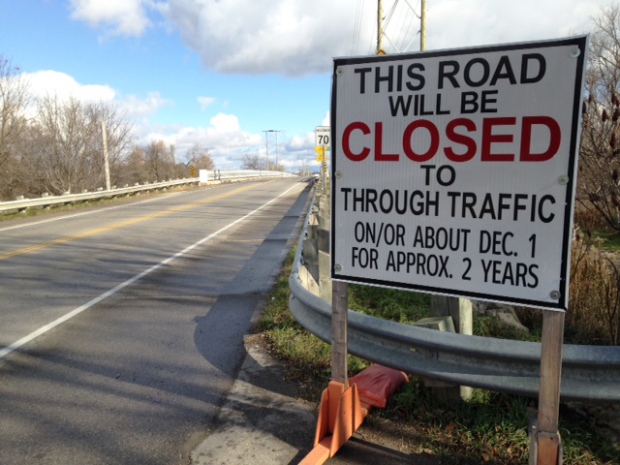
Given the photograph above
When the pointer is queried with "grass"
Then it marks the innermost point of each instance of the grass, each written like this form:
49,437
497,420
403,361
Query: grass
389,304
487,326
491,428
609,240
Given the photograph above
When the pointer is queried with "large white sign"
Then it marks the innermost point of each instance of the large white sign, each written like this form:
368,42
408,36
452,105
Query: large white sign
454,171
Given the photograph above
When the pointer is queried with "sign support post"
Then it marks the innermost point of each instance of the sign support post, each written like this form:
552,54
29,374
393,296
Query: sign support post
324,168
340,307
548,450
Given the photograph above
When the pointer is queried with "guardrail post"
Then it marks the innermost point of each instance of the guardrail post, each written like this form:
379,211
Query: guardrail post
310,248
309,271
460,310
325,282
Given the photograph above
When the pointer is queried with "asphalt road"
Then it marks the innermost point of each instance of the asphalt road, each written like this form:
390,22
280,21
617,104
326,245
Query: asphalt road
121,327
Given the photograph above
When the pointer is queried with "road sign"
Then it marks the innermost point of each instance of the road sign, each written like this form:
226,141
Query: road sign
322,137
453,172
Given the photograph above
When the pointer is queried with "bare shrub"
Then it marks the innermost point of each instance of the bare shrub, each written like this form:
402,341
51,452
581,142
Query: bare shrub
598,187
593,316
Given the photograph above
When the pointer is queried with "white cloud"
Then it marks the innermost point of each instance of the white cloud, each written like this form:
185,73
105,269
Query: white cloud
292,37
42,84
299,143
205,102
120,17
54,83
143,108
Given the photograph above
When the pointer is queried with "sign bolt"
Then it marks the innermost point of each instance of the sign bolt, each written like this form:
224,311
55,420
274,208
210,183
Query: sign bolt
338,174
575,52
339,72
338,268
555,295
563,180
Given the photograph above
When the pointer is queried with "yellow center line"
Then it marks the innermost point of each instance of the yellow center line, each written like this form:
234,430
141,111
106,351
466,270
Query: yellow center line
122,224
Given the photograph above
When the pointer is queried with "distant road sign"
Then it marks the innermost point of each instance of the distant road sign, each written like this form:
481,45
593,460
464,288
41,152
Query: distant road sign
323,137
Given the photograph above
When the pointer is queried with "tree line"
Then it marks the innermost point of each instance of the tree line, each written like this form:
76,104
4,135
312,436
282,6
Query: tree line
55,146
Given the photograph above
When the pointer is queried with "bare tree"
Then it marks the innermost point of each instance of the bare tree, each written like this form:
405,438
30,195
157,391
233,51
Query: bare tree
198,156
13,99
62,149
599,165
159,161
13,124
19,175
68,152
133,168
119,138
252,161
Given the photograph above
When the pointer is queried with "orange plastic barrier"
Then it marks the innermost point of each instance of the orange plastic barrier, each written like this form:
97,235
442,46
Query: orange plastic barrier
376,384
341,413
343,410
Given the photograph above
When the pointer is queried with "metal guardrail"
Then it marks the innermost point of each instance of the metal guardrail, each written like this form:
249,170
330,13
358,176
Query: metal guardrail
588,373
214,176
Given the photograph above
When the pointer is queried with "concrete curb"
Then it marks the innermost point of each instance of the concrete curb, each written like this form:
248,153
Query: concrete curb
261,421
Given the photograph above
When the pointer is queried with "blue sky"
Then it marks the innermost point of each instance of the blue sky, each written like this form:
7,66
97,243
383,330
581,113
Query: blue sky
220,72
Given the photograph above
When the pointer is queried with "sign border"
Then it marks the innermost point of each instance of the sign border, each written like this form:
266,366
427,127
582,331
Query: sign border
562,302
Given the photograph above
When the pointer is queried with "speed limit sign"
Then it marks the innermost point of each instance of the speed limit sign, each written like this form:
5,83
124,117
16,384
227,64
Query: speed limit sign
323,137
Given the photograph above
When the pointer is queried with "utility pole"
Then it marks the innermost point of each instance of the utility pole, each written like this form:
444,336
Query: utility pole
267,149
380,50
267,143
423,26
277,168
106,160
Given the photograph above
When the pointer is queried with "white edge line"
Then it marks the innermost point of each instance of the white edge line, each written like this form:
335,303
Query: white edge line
48,327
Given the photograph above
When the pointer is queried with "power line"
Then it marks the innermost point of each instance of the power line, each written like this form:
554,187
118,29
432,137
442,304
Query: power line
405,29
399,27
390,14
357,28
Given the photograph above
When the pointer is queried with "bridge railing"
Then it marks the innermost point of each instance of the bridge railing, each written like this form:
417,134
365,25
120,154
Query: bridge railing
53,200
